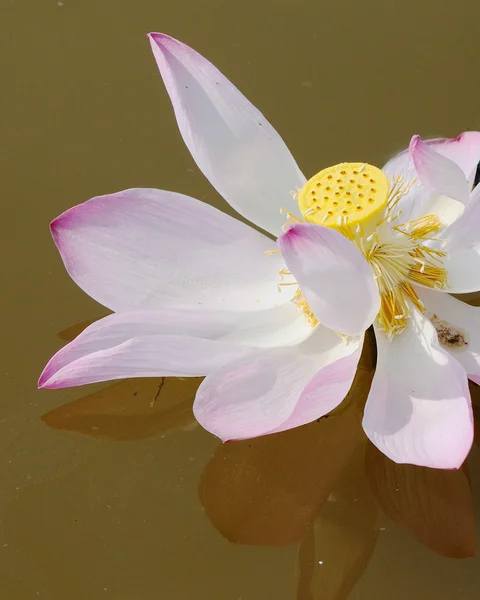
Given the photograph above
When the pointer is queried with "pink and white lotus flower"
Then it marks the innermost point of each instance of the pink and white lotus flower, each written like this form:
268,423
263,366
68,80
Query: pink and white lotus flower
277,327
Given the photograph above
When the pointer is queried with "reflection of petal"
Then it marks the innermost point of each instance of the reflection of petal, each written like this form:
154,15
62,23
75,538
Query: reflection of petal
131,410
71,333
434,505
269,490
472,298
475,394
336,553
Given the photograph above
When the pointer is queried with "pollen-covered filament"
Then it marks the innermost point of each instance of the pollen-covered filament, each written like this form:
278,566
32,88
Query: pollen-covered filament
357,200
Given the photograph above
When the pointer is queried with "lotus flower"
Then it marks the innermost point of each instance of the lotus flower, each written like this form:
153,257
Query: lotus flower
277,327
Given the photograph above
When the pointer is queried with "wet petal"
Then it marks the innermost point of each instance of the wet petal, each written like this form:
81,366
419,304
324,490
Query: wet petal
280,326
418,410
233,144
273,390
334,277
457,325
434,505
146,248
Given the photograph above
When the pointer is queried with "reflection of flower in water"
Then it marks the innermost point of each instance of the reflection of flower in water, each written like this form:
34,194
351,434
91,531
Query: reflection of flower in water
312,485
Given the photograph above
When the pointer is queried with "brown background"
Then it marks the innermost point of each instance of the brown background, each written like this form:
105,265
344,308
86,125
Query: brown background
83,112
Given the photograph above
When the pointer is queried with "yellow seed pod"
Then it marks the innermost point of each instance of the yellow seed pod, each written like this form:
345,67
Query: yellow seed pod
348,194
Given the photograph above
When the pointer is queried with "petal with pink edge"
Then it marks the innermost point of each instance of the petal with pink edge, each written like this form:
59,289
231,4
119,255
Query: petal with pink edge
463,150
419,410
144,248
457,325
233,144
145,356
272,390
334,277
282,325
437,172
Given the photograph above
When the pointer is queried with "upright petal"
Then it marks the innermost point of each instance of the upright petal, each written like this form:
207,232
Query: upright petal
272,390
334,277
144,248
457,325
437,172
418,410
463,150
233,144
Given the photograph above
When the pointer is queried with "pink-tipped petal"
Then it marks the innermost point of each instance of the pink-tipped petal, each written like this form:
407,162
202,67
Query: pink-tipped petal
146,356
272,390
475,379
419,410
333,275
438,173
458,327
233,144
144,248
463,150
282,325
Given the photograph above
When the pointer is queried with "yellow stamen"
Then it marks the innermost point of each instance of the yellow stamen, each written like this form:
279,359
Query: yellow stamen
357,200
345,196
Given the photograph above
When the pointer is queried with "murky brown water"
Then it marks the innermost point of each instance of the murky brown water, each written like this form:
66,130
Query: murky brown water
106,497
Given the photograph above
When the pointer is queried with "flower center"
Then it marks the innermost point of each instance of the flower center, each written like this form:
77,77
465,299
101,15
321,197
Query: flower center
348,194
357,200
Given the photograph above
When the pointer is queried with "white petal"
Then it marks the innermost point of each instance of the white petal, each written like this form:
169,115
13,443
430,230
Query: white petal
458,327
418,410
99,348
233,144
334,277
463,270
147,248
465,232
272,390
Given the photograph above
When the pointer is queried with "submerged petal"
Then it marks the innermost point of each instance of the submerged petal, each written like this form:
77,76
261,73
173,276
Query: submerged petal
334,277
272,390
419,410
144,248
233,144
